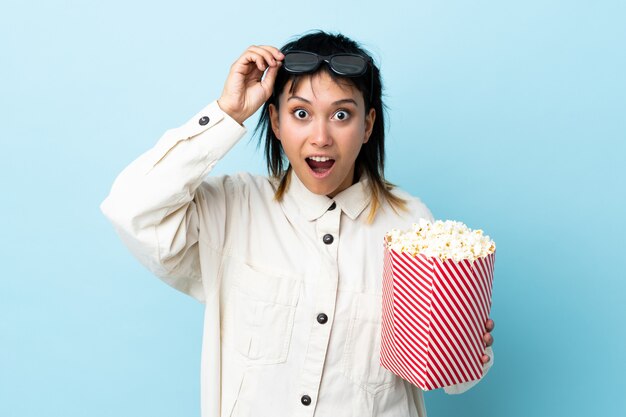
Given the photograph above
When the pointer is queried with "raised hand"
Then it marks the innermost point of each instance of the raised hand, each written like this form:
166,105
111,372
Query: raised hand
246,89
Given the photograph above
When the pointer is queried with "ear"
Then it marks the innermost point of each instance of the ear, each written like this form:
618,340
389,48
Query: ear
274,121
370,117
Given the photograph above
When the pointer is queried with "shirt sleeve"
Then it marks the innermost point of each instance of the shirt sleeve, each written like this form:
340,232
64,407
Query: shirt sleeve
152,203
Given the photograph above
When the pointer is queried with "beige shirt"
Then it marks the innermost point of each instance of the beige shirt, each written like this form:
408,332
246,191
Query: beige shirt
292,290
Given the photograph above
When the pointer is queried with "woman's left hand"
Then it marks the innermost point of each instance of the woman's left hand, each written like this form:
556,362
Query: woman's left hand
488,338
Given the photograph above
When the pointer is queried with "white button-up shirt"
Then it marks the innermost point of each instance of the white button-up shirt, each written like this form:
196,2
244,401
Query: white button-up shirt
292,289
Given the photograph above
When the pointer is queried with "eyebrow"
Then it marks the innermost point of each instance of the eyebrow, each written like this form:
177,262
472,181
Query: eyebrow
335,103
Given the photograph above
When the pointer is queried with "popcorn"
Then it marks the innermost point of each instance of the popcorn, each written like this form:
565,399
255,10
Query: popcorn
437,286
443,239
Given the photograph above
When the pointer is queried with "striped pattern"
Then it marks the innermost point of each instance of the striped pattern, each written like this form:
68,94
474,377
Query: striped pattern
434,316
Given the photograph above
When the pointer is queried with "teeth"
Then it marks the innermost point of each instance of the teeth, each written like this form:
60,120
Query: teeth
319,158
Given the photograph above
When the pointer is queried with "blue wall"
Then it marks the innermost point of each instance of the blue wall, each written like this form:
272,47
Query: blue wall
510,117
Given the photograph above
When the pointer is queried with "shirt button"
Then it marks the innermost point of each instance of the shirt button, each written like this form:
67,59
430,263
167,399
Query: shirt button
305,400
322,318
332,206
204,120
328,239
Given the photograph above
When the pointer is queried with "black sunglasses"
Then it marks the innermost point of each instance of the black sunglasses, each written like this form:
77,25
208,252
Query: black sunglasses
344,64
348,65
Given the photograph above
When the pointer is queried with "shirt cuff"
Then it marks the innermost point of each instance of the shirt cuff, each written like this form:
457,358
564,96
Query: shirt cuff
205,120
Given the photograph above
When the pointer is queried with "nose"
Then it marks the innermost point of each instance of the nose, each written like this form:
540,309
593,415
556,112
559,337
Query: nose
321,135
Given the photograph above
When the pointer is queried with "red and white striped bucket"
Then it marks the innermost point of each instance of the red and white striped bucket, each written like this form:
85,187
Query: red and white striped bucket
434,315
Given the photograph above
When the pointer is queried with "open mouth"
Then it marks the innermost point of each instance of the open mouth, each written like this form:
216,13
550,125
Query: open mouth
320,165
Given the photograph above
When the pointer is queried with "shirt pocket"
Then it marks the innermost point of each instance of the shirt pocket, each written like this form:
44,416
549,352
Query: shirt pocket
361,358
259,315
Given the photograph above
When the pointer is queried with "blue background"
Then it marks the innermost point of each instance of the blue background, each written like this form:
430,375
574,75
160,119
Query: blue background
510,117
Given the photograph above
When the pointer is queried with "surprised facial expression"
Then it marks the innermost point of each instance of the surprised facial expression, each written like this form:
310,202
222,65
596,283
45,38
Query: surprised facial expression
322,125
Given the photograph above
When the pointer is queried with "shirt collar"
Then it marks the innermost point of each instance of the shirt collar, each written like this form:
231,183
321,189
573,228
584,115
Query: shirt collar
353,200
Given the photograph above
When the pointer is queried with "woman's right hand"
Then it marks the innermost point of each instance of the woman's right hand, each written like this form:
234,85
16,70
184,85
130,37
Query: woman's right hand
246,89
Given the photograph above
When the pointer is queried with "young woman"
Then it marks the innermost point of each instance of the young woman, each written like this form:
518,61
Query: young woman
289,266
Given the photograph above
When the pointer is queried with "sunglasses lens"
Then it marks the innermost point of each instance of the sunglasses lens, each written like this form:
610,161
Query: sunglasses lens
300,62
348,64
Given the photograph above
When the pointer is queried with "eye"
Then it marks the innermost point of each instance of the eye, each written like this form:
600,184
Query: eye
341,115
301,114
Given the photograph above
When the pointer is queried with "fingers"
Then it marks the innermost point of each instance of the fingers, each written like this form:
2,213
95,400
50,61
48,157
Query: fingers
270,54
270,77
261,57
269,58
487,337
245,89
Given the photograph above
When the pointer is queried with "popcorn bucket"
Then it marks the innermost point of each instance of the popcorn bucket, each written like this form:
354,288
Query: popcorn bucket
434,315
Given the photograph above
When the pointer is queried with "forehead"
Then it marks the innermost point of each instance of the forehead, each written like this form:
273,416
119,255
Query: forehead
321,86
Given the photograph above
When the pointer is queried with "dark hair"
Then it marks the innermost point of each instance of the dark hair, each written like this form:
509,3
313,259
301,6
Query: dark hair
371,158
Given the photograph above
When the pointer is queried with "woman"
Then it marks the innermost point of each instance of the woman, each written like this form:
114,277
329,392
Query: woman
289,266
